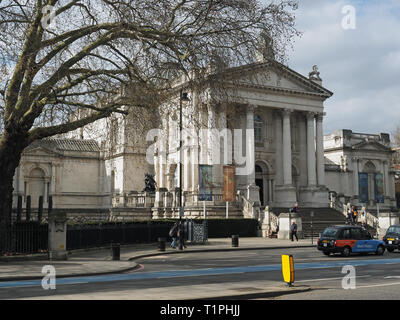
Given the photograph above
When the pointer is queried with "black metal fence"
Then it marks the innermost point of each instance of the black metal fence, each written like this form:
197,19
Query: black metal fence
25,238
96,235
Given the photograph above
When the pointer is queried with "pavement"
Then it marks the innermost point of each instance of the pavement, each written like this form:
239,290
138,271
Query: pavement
98,261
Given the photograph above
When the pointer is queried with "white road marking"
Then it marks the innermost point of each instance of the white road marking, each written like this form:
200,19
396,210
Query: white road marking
380,285
328,279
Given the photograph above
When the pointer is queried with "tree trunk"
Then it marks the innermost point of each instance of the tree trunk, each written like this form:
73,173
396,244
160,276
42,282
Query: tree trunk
11,147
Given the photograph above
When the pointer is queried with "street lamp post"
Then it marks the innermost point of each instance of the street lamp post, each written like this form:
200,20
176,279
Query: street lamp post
182,97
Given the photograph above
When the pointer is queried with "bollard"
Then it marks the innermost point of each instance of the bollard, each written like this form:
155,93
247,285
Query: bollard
235,240
115,251
161,244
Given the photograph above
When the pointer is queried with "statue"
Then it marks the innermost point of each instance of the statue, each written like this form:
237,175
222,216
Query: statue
314,75
149,182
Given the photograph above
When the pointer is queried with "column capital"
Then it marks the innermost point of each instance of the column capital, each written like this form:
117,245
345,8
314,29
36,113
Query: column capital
286,112
251,108
320,116
310,115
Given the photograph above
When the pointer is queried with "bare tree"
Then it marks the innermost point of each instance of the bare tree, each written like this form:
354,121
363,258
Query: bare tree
61,57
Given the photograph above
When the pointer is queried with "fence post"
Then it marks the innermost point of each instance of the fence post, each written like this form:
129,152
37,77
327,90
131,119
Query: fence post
28,208
40,209
58,236
19,208
149,231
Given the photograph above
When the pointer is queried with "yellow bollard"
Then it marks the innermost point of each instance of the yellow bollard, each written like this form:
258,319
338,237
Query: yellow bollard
288,269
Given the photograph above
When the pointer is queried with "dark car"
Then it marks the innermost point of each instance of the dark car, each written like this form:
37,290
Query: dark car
392,237
349,239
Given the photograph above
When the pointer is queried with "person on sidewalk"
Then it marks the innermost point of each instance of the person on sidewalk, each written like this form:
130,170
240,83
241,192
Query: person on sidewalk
349,216
293,231
295,208
181,234
355,214
173,233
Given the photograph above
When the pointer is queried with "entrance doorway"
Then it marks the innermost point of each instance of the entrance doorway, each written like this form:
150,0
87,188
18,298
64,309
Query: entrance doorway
260,185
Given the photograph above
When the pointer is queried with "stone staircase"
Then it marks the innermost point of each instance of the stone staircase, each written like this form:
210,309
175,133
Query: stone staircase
323,218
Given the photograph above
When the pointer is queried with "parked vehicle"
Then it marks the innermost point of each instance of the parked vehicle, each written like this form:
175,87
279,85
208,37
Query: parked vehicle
392,237
347,239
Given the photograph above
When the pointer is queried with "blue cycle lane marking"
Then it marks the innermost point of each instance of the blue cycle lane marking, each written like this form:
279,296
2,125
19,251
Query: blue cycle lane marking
196,272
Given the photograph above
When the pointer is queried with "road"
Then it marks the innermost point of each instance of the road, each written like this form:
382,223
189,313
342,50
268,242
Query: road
215,274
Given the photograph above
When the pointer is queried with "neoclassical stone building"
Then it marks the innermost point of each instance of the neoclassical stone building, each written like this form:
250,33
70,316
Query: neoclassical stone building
267,122
360,169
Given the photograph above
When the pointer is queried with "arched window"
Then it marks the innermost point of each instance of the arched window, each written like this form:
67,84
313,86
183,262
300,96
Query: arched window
258,129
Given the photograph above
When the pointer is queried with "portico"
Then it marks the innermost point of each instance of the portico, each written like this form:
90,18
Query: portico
273,120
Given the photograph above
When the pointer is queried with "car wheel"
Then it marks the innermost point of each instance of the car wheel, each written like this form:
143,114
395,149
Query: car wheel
390,249
380,250
346,251
326,253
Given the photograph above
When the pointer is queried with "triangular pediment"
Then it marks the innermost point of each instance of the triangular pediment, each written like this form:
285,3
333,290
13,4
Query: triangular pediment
275,76
39,151
371,146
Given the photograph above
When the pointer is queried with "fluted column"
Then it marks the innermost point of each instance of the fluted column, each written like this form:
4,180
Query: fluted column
286,148
320,151
311,168
250,149
386,177
355,177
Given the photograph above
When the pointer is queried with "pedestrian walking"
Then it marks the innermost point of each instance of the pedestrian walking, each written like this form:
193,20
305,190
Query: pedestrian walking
181,235
173,233
293,231
349,216
355,214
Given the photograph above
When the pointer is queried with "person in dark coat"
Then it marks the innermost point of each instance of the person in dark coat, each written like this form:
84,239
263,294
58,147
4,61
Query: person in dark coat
173,233
293,231
181,234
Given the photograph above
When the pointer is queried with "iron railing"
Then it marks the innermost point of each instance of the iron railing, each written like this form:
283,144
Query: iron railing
25,238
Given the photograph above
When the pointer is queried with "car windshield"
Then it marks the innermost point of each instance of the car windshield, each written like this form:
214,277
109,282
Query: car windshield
330,232
393,229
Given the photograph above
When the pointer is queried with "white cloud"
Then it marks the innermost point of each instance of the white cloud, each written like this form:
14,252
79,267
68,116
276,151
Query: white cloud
361,66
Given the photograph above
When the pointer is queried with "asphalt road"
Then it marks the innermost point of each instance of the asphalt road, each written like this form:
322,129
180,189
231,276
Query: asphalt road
209,274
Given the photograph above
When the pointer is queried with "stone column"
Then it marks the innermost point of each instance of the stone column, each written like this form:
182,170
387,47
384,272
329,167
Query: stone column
311,168
157,168
278,148
320,151
250,149
355,177
284,192
287,148
386,177
186,168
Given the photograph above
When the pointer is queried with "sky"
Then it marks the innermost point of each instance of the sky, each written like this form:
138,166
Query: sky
360,66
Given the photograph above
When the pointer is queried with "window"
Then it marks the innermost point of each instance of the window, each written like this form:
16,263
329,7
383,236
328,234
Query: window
258,129
330,233
356,234
346,234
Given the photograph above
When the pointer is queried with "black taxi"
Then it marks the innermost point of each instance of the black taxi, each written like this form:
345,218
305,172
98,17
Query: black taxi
347,239
392,237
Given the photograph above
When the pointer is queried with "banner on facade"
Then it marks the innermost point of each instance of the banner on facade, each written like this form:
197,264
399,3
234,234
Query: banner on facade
379,191
228,188
205,182
363,187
